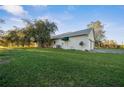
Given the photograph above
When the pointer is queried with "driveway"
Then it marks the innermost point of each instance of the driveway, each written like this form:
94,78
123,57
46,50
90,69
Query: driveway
114,51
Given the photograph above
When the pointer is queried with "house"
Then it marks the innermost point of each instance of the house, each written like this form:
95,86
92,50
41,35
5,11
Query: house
79,40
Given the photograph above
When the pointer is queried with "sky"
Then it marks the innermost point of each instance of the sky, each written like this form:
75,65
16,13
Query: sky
68,18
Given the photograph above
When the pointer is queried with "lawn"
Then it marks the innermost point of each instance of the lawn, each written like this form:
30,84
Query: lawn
57,67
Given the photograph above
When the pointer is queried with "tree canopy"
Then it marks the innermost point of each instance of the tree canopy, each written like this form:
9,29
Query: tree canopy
36,31
98,28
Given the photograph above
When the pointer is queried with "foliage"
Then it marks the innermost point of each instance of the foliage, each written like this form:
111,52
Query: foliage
108,44
98,27
37,31
42,30
1,31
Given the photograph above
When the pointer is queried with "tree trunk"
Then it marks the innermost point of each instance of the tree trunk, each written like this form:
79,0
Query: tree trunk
39,44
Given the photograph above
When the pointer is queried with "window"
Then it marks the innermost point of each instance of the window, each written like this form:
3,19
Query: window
65,38
81,43
54,42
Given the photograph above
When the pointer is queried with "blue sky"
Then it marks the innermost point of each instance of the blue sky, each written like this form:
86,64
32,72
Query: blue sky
68,18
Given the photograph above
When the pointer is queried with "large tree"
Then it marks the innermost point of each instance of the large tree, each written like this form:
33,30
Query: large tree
1,31
37,31
42,30
98,28
29,31
1,22
12,37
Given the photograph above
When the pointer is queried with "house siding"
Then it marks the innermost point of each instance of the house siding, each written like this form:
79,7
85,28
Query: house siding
73,43
91,40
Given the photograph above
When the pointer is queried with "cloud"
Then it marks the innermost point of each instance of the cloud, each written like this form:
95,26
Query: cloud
60,24
14,10
18,20
13,21
52,19
61,19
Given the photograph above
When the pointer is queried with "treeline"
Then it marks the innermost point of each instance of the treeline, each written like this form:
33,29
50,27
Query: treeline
108,44
36,32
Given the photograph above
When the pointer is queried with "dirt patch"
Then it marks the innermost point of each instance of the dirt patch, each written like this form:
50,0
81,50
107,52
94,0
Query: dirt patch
4,60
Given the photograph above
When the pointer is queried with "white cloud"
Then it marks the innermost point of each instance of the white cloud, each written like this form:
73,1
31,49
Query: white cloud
14,9
10,22
61,19
51,18
15,20
60,24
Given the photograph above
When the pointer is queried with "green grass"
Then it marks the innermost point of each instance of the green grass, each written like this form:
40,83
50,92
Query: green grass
56,67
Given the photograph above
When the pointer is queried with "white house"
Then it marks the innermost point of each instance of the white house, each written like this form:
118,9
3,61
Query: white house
79,40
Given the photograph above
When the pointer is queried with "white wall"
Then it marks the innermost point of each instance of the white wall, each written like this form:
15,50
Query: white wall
91,40
73,43
91,36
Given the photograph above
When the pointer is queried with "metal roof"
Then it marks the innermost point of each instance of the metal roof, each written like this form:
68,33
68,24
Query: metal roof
71,34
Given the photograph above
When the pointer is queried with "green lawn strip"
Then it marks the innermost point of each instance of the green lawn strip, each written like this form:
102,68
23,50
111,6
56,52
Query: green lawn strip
57,67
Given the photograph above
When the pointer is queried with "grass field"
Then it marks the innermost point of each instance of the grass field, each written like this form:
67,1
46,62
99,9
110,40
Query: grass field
56,67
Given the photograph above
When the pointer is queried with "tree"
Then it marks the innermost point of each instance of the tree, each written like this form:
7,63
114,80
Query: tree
12,37
1,22
37,31
109,44
42,30
1,31
21,37
98,27
28,31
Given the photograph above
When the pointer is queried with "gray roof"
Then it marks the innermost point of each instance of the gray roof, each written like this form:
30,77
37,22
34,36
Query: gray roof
71,34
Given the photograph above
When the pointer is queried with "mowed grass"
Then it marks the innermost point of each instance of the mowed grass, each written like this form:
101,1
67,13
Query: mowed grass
57,67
